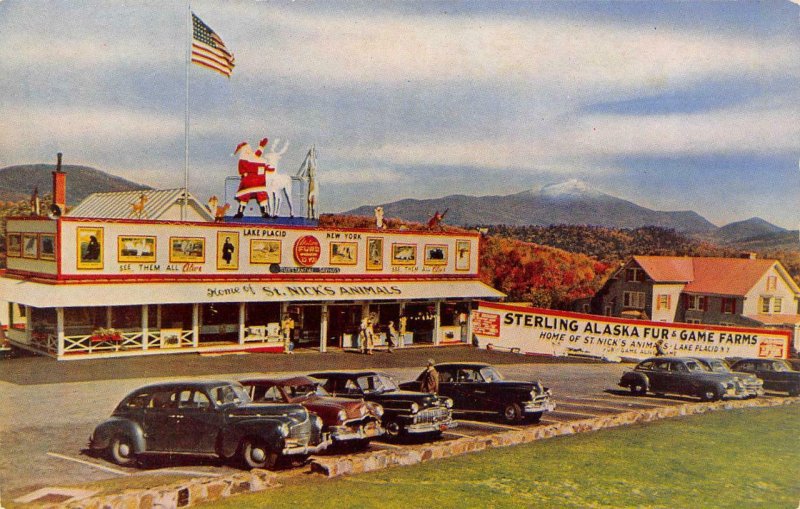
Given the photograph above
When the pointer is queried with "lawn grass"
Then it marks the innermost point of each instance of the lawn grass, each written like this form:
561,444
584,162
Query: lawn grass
741,458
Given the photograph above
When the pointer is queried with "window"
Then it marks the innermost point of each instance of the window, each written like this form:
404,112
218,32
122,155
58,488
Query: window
772,282
664,301
693,320
765,303
633,300
634,274
696,303
777,304
728,306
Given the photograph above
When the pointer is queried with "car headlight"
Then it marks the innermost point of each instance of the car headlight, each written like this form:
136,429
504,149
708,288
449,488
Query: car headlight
448,403
378,410
341,416
318,422
414,408
730,385
284,430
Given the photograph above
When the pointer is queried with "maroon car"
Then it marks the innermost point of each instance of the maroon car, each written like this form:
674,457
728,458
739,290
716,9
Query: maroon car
349,421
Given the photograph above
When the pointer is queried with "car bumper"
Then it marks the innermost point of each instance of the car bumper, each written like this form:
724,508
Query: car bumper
429,427
539,406
343,433
308,449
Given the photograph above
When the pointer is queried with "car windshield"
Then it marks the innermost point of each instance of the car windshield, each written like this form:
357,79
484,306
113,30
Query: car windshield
376,384
227,394
695,366
781,366
301,391
490,374
718,366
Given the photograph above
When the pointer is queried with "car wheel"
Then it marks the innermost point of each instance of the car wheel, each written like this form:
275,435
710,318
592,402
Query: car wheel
535,417
638,389
512,413
255,454
121,451
710,394
393,429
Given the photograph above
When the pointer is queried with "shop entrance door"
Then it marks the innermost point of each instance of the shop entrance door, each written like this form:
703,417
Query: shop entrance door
343,322
308,319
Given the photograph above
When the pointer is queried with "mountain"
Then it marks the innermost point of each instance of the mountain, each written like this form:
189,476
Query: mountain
743,230
18,182
571,202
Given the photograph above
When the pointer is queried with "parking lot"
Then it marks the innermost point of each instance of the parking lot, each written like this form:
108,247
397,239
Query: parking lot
45,426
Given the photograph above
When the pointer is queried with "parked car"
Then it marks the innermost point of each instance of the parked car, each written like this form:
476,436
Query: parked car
404,412
348,421
777,374
480,388
681,375
207,418
753,386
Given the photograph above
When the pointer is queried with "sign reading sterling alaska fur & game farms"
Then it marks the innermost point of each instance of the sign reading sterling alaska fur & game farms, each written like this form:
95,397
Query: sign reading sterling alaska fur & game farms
548,332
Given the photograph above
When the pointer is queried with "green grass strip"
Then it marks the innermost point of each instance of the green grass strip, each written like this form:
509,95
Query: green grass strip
747,458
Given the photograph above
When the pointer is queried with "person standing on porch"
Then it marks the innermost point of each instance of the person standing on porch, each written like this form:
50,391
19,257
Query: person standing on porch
287,326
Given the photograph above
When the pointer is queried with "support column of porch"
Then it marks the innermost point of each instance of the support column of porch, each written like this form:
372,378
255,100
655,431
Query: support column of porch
195,325
436,321
145,326
59,332
323,329
241,322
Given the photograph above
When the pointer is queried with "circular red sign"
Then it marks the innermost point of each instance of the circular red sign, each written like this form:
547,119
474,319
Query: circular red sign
307,250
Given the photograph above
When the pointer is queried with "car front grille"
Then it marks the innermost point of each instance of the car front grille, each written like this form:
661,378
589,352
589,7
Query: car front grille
301,433
432,415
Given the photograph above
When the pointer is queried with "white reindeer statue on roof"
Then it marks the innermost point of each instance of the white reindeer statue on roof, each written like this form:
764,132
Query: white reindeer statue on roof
278,183
308,172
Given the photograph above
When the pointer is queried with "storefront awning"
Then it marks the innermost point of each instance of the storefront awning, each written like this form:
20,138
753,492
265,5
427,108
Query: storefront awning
109,294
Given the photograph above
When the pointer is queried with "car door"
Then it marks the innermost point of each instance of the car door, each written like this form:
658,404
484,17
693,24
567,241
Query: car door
764,371
470,388
160,421
447,383
658,375
199,423
679,379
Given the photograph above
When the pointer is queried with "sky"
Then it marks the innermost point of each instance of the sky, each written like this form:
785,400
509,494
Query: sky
671,105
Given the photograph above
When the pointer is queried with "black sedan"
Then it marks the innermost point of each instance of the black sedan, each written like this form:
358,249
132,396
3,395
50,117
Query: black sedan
753,386
681,375
404,412
480,388
777,374
207,418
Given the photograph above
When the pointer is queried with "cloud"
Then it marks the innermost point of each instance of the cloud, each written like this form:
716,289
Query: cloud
362,176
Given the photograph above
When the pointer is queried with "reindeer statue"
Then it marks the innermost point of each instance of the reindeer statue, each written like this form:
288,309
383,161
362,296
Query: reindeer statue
137,207
308,172
278,183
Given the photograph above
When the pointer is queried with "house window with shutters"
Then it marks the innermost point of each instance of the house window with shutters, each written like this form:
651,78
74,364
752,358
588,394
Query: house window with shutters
728,306
777,305
765,304
696,303
663,301
633,300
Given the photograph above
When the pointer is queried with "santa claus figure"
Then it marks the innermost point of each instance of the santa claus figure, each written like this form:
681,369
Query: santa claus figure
253,169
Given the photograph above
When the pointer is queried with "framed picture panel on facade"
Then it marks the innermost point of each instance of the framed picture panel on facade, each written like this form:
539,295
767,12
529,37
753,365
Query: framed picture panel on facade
187,249
227,250
343,253
374,253
90,247
265,251
136,248
47,246
14,244
404,254
30,245
463,252
435,254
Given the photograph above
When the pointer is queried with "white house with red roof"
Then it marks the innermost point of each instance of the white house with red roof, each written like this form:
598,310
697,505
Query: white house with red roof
722,291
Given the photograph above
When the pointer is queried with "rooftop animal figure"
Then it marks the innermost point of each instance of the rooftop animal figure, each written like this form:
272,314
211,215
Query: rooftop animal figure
436,220
308,172
379,218
137,207
216,210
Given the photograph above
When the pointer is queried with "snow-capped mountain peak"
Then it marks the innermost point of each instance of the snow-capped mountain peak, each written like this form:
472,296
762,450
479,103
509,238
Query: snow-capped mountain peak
570,188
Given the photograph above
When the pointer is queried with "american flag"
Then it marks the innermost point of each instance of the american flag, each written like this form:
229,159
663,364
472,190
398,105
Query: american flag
208,50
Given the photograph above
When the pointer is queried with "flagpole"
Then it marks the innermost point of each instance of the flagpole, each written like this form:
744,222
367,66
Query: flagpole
186,120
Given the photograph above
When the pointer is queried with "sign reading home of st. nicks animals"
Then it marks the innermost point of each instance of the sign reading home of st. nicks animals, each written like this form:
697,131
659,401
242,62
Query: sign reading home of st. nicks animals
530,330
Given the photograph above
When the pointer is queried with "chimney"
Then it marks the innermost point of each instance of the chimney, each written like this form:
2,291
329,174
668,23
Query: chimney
749,255
60,187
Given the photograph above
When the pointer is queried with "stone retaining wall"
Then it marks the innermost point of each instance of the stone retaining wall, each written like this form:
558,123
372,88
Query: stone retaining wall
196,491
368,462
